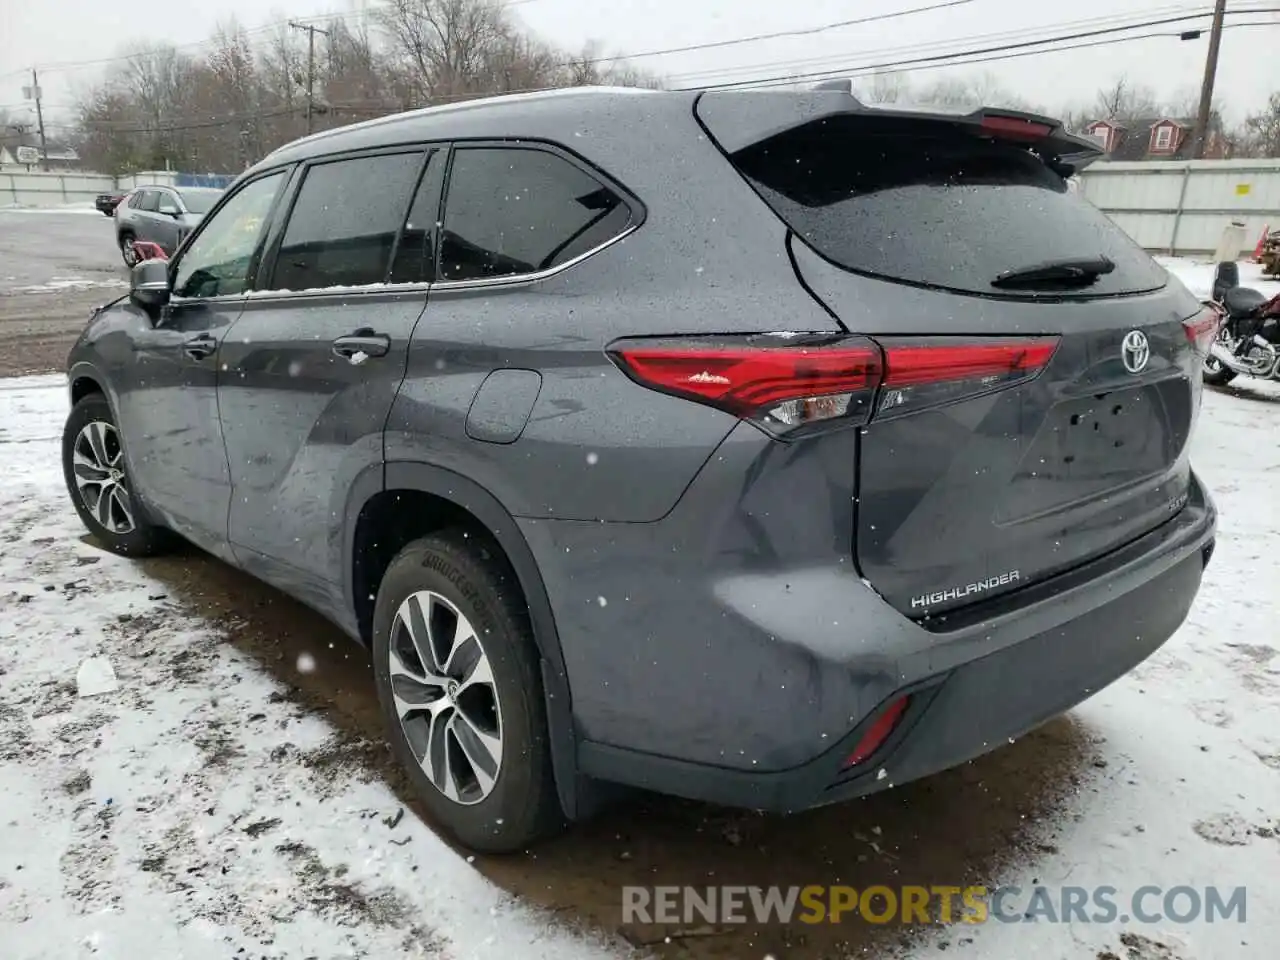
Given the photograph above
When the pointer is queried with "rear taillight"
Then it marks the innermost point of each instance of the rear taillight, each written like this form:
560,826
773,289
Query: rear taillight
1202,329
789,383
925,373
783,383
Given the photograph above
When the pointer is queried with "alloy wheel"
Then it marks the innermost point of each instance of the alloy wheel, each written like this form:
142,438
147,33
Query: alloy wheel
97,462
445,697
129,251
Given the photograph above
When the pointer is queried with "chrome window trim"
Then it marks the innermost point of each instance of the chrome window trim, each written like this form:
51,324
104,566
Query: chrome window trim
379,289
517,278
271,296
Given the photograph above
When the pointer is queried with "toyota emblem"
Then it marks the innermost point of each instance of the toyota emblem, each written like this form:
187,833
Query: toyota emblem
1135,351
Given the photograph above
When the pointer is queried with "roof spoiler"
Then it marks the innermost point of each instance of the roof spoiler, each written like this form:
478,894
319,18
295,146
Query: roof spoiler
739,118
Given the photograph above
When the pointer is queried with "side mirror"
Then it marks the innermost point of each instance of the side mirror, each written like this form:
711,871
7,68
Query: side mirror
149,284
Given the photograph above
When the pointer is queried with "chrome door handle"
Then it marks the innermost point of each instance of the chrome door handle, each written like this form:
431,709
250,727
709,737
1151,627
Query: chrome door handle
200,347
363,341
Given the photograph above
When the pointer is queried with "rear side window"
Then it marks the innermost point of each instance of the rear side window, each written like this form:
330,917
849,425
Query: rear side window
147,200
947,210
415,258
515,210
344,222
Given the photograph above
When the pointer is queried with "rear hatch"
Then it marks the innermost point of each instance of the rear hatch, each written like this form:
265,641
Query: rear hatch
1040,375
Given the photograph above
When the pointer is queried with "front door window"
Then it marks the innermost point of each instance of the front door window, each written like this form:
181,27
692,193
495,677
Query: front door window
217,263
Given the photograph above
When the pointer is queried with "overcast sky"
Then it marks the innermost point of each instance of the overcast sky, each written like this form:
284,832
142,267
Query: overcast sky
53,33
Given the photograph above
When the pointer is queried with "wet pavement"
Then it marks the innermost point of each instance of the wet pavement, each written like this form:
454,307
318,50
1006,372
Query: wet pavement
55,266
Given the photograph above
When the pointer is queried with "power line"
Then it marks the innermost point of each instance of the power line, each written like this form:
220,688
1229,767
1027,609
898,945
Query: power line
939,57
862,71
952,58
800,32
385,107
65,66
950,42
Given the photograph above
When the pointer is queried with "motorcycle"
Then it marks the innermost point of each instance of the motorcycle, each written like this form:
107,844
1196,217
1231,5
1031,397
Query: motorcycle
1248,340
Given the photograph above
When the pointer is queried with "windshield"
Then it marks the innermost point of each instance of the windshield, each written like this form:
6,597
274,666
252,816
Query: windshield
935,209
200,199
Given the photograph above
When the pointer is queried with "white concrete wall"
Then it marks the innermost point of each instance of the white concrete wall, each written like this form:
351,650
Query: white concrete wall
52,189
1182,207
37,189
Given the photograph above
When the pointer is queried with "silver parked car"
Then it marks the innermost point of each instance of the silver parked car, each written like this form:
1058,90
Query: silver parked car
160,215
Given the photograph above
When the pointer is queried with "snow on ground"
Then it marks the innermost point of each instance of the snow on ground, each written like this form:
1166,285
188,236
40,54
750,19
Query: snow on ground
82,206
185,820
1198,275
62,284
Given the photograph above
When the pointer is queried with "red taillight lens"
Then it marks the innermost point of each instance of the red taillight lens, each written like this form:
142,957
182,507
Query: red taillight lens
781,382
1015,128
878,732
1202,329
920,374
788,382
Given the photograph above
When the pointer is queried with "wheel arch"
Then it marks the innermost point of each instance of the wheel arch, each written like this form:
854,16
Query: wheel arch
84,379
467,499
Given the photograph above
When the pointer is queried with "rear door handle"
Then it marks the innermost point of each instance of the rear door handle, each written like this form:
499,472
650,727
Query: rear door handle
363,341
200,347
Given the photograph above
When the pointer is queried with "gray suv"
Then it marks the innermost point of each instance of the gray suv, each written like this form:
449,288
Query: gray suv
160,215
757,447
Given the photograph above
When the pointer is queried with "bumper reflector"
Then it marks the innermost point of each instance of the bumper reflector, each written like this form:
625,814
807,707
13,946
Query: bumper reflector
878,732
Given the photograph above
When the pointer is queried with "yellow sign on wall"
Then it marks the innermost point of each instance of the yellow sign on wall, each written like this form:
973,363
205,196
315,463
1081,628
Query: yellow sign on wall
1242,189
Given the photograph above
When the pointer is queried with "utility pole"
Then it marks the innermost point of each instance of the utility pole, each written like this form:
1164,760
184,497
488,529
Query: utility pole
33,93
1206,87
311,30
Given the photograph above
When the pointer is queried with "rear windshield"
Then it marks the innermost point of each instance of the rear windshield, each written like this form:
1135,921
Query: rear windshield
951,211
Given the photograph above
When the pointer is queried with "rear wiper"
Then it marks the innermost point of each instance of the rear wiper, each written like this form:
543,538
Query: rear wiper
1079,272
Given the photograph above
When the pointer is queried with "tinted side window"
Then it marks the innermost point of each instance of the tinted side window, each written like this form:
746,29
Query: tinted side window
166,203
415,260
344,222
513,210
217,262
148,200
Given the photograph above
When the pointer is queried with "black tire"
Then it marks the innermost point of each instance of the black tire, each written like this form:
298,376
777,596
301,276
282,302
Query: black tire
522,806
127,253
1219,377
1213,371
142,538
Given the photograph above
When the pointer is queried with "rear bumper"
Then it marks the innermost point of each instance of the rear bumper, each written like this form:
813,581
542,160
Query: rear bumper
952,717
730,653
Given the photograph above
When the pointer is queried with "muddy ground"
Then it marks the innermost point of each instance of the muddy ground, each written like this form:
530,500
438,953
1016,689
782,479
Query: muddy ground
958,828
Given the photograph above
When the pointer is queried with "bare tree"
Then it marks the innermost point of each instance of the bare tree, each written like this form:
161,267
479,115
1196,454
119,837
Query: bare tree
445,43
234,102
1126,102
1261,134
887,87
